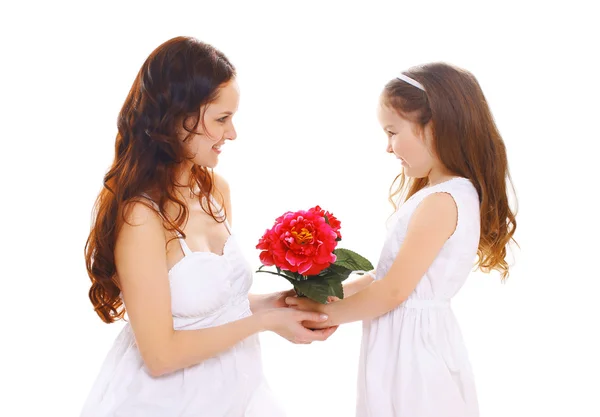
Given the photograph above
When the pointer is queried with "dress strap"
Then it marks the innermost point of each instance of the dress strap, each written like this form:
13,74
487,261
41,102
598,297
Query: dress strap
184,246
221,212
152,202
227,225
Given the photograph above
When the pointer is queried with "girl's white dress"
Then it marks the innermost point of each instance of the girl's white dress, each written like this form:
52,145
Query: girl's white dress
413,362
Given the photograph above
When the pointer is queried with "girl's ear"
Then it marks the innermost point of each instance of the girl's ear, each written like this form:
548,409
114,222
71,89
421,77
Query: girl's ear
427,136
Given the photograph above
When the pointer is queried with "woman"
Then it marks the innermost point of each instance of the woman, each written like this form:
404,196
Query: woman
161,244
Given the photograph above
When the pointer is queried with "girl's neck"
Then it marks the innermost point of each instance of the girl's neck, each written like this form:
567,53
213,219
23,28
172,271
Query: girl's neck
438,177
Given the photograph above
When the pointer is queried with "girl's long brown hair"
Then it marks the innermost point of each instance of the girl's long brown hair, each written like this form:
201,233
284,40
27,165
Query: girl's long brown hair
467,142
178,77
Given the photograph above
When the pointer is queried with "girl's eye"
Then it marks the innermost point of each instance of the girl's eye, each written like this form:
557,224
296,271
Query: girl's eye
222,119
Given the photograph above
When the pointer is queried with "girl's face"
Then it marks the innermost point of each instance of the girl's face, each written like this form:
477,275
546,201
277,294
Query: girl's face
206,146
407,143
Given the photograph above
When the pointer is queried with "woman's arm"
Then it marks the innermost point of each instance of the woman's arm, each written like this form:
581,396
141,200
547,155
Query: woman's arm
142,272
432,223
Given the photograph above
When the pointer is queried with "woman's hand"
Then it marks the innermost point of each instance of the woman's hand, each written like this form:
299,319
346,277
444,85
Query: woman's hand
287,322
308,305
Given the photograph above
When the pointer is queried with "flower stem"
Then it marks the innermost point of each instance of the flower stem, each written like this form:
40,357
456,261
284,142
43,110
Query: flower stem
298,293
272,273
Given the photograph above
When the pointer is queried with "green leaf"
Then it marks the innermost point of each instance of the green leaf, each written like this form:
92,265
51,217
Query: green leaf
319,290
351,260
335,270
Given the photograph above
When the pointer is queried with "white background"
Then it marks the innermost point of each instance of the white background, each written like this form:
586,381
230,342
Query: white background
310,74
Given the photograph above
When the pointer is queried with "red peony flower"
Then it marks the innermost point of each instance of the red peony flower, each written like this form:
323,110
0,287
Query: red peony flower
331,219
301,241
302,245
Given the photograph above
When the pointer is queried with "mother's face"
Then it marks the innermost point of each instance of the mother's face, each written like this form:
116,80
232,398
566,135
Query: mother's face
205,146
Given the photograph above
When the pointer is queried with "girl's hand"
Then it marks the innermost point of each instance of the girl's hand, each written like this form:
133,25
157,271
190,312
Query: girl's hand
306,304
277,299
260,302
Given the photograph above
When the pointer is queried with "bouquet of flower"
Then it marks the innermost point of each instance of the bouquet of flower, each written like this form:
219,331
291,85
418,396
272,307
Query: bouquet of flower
302,247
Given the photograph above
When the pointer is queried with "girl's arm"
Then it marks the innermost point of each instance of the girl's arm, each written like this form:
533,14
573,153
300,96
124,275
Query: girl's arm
432,223
142,272
358,284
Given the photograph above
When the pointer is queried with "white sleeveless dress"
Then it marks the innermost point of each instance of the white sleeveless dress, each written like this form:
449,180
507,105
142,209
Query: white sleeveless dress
413,362
206,290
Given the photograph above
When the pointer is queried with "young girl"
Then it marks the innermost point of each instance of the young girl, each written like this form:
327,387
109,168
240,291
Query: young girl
413,362
162,245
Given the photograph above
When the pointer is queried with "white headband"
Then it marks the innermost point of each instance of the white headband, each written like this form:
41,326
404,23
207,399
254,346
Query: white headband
412,82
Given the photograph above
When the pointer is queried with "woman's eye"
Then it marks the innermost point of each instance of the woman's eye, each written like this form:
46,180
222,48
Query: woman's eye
222,119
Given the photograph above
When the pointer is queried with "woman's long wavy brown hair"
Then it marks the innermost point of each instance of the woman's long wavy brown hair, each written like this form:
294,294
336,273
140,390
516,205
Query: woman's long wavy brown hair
467,142
176,80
